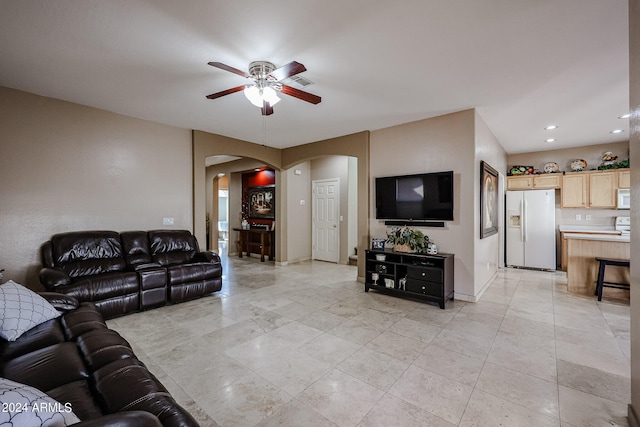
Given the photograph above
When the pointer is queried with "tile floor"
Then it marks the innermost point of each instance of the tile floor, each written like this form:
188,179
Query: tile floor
304,345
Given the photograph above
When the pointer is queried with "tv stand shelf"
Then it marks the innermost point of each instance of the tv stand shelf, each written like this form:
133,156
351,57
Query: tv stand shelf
427,277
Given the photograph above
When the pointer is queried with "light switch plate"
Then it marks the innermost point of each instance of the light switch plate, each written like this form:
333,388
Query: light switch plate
167,221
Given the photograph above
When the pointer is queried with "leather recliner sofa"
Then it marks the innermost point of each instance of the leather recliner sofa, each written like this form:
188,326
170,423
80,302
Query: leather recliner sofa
129,271
78,361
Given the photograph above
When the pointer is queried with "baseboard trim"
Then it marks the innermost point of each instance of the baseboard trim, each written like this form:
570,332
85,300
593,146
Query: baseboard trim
634,421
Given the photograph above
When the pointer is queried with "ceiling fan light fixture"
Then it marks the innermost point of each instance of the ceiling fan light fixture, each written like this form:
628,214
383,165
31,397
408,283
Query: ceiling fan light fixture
252,93
257,96
270,95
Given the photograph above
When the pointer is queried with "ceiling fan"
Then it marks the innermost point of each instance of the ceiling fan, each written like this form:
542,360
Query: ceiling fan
267,81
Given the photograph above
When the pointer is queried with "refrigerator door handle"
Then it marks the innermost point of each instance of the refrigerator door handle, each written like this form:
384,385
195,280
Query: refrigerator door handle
524,221
521,221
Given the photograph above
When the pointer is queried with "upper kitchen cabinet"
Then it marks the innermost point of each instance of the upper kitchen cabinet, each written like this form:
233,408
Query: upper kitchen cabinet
534,182
575,187
594,189
602,189
519,182
624,178
549,181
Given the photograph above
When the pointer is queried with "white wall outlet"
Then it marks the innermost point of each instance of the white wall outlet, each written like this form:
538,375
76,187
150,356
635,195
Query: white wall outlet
167,221
297,172
302,202
578,217
587,217
341,218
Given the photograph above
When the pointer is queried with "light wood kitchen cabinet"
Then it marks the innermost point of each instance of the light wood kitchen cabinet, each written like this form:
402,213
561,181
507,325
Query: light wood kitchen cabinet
602,189
534,182
624,178
547,181
593,189
575,187
519,182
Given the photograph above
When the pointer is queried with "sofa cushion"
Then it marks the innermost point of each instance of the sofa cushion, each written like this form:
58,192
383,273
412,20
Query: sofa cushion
170,247
22,309
48,367
27,407
102,286
43,335
86,253
136,247
101,347
79,395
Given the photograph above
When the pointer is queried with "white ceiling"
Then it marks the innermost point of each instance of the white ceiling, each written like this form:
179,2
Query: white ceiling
522,63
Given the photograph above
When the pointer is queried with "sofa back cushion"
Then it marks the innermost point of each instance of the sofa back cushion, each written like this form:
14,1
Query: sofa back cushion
86,253
135,245
170,247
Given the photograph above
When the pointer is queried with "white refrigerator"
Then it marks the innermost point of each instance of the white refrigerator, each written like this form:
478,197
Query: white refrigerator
531,229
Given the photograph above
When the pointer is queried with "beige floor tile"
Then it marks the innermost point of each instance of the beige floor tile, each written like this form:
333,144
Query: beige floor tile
486,410
329,349
529,354
450,364
586,410
398,346
295,413
594,381
341,398
391,411
521,389
374,368
434,393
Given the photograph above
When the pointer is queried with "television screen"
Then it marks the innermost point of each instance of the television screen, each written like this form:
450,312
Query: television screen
415,197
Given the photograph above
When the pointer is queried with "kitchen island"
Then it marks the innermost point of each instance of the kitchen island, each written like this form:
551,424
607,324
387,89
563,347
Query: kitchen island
582,267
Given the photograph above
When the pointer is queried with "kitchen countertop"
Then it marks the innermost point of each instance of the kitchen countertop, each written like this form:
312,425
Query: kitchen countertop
600,237
588,229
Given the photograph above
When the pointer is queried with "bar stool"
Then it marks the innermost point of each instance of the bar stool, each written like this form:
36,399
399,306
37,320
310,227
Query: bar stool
601,283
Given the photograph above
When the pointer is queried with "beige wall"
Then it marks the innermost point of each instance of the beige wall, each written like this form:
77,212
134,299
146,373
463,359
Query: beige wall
634,126
433,145
487,250
67,167
298,216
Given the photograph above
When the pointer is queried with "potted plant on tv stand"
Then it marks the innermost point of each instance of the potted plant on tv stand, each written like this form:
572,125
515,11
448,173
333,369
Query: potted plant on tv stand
405,239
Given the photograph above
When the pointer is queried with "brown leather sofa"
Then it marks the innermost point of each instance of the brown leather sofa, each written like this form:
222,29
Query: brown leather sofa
129,271
78,361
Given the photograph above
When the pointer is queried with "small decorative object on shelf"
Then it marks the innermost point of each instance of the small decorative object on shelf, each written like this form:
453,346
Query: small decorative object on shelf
408,240
432,249
551,167
578,165
521,170
377,244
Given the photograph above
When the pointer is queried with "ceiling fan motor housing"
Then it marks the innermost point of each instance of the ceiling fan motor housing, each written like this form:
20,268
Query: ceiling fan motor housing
261,69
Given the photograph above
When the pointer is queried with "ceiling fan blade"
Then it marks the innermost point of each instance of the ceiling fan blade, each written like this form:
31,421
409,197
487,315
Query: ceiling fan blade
288,70
230,69
300,94
225,92
267,109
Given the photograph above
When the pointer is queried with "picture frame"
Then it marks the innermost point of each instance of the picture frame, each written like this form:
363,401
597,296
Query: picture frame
262,202
488,200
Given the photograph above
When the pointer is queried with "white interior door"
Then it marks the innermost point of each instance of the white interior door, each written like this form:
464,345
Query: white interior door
326,225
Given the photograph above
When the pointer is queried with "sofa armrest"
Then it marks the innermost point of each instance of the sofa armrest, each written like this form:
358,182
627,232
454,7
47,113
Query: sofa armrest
211,257
123,419
54,277
61,302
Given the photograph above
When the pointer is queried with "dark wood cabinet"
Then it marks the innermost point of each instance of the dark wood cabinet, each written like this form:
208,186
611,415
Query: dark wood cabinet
428,277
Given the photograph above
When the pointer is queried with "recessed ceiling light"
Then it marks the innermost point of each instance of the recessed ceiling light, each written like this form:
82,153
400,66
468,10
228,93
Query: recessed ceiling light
551,127
625,116
617,131
550,140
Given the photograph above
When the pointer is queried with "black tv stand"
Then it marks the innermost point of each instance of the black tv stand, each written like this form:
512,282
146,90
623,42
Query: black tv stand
427,277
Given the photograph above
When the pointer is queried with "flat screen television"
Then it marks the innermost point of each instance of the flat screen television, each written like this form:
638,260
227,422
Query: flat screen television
421,197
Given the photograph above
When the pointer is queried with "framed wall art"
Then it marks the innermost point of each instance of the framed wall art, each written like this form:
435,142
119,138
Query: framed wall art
488,200
262,202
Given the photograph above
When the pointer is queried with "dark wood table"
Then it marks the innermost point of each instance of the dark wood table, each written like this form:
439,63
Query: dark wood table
256,240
